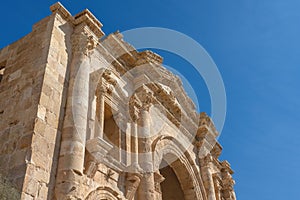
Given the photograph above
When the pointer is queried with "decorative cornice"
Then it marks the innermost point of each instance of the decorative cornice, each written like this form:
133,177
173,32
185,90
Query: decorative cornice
84,17
148,57
90,20
204,119
60,9
217,150
226,167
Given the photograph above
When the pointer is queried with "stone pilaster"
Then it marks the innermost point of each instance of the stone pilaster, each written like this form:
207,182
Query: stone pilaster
106,87
147,185
134,145
100,113
134,105
218,186
206,165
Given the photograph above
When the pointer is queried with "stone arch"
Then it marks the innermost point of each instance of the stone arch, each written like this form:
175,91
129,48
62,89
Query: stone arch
167,148
104,193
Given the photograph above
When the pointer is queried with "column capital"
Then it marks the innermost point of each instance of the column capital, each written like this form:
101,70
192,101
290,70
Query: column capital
146,97
83,42
134,105
106,84
140,101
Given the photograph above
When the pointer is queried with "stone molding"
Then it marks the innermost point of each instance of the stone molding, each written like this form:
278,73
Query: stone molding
85,17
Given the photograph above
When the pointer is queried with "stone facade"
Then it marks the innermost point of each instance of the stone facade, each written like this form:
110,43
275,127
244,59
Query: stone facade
86,116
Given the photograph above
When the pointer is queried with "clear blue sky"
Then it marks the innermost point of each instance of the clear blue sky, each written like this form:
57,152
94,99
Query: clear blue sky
256,46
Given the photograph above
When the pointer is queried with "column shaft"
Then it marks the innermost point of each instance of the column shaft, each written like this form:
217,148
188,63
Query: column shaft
147,185
211,187
72,150
134,144
100,116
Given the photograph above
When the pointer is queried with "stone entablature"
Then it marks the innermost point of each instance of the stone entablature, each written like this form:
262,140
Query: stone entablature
91,123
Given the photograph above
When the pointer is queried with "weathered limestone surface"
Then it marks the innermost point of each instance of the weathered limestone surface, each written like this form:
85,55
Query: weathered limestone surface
86,116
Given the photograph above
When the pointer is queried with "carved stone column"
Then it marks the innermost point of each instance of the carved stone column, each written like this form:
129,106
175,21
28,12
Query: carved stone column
106,87
218,186
208,176
145,160
72,151
134,145
134,105
100,113
147,184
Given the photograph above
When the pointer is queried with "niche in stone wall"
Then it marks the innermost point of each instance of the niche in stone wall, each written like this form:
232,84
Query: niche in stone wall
111,131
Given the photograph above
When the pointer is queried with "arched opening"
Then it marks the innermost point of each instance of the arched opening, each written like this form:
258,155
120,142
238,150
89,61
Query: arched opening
170,187
168,150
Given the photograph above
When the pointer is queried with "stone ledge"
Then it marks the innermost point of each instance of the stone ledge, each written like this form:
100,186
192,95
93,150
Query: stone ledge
91,21
97,145
59,8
